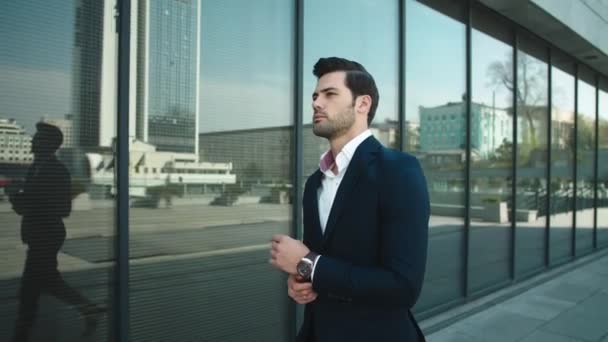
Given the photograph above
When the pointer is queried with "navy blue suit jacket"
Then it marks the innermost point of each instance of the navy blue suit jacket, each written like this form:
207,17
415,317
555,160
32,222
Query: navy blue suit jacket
373,251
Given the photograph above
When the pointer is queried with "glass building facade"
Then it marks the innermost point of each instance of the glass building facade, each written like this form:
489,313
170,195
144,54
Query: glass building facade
187,140
169,54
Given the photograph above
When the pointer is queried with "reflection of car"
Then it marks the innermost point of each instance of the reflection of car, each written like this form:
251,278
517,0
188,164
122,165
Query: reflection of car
4,183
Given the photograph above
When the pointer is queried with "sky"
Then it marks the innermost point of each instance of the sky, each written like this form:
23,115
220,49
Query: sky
37,38
247,54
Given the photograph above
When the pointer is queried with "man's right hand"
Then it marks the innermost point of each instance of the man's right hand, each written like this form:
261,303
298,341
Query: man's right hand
300,291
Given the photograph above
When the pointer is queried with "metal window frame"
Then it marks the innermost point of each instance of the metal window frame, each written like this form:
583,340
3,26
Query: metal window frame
295,312
401,76
573,253
596,160
514,162
467,178
121,269
549,156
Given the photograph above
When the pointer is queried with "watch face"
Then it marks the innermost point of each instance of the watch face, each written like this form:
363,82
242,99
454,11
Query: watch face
304,268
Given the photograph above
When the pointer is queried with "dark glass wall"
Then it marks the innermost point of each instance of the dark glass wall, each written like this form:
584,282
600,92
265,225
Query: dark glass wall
531,95
561,188
358,19
491,151
511,133
585,160
435,132
57,219
602,165
200,222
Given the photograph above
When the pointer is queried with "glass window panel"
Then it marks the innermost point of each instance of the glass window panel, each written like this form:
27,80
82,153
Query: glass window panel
361,38
561,201
585,161
491,152
354,34
435,85
602,173
214,126
57,219
532,145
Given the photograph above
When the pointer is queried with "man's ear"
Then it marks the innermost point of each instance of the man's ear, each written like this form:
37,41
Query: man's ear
363,104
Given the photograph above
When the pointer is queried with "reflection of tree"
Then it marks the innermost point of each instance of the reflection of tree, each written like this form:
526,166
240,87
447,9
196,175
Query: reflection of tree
412,139
603,133
530,91
503,154
585,134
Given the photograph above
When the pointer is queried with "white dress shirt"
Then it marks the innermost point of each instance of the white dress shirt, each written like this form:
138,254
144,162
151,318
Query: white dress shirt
330,182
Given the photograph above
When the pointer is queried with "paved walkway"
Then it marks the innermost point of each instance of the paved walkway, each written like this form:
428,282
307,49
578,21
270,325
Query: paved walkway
570,307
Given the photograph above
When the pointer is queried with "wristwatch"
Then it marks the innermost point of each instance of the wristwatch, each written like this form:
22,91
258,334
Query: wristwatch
304,267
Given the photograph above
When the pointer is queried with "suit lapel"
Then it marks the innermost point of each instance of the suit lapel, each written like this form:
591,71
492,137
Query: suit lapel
312,202
356,168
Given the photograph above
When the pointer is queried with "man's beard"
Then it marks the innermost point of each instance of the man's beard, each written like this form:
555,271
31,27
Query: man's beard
331,128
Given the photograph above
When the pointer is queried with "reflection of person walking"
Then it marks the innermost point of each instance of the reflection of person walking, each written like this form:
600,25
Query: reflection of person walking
43,202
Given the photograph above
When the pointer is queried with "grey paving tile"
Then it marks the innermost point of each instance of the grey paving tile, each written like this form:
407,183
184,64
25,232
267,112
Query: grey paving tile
543,336
595,305
451,336
537,306
586,321
498,325
599,268
568,291
570,308
588,278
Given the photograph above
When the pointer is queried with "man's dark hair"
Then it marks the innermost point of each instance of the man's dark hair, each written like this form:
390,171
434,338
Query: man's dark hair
50,135
358,80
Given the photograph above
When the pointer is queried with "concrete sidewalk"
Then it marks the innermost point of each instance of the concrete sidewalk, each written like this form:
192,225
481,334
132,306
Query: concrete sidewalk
569,304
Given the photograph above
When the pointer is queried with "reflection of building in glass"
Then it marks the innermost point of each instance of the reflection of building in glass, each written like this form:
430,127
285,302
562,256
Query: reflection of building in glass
15,143
168,74
412,137
150,168
386,132
443,128
94,73
165,49
259,155
164,98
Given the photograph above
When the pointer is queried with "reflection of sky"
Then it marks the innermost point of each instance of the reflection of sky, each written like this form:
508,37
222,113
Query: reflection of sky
246,64
247,58
37,38
562,90
603,105
586,99
536,72
487,50
435,59
360,30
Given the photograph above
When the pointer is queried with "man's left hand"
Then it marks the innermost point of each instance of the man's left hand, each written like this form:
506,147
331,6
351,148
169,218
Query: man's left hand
286,252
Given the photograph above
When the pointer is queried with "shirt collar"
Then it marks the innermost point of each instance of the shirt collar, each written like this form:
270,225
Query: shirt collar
343,158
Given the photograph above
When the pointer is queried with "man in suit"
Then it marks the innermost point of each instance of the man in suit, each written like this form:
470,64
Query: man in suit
43,202
361,265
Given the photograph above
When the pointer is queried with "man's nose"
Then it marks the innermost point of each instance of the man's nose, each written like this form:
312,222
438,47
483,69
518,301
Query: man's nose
317,104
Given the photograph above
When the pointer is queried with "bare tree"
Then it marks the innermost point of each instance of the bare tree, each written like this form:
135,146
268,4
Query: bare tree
530,92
